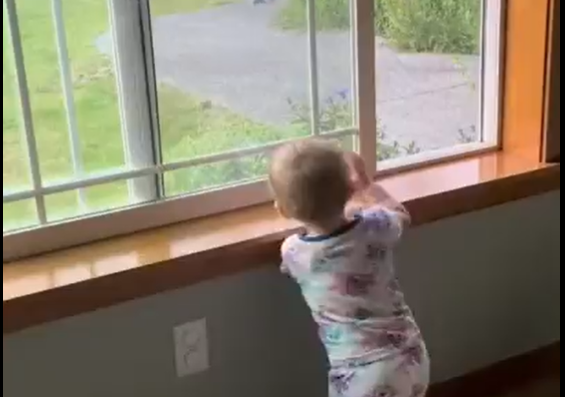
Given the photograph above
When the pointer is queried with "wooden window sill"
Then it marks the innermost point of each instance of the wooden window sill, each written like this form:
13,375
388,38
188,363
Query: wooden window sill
67,283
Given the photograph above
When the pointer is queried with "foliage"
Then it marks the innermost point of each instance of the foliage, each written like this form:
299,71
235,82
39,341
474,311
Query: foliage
189,127
468,135
439,26
336,113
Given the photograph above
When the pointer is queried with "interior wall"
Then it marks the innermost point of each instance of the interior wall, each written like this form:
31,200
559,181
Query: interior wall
485,286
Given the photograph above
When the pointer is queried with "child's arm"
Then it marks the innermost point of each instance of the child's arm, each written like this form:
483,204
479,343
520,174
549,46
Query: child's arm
381,197
368,195
386,215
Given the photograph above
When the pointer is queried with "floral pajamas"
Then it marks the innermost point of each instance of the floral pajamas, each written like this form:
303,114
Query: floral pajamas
404,376
347,278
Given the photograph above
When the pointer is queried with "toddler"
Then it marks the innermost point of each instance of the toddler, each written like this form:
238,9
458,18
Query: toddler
343,263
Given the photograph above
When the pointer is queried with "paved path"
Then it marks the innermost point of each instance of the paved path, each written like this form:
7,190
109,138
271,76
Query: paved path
233,56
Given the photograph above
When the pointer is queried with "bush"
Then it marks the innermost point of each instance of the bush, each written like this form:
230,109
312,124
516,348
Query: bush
449,26
336,113
441,26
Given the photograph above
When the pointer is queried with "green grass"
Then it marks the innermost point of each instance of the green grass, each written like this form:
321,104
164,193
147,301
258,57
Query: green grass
167,7
330,15
189,126
438,26
203,129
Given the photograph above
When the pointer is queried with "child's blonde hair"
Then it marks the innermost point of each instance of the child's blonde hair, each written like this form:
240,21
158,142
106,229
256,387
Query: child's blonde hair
310,180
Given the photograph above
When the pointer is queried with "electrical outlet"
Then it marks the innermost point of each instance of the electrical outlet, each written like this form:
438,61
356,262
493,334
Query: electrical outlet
191,348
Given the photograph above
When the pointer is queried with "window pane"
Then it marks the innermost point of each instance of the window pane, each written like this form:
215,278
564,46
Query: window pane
209,176
428,70
87,201
89,105
19,215
334,60
348,142
334,35
231,75
15,165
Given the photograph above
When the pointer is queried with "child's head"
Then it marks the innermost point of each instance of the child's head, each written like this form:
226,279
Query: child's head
311,181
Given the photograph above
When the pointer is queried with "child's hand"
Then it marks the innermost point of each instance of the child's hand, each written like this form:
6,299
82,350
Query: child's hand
366,193
360,183
358,176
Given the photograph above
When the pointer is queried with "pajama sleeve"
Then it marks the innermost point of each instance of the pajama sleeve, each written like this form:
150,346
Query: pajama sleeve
386,225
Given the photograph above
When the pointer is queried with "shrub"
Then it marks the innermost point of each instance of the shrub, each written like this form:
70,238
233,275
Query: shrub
336,113
448,26
442,26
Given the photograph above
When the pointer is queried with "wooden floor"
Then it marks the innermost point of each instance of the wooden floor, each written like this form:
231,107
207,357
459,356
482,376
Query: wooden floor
548,388
535,374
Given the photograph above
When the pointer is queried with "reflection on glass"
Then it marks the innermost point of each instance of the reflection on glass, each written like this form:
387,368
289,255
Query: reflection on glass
115,264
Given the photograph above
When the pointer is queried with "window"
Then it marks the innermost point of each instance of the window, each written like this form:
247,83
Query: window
438,79
130,114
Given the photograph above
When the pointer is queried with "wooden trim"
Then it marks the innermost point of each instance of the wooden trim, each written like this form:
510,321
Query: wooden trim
524,74
366,79
552,127
75,232
455,202
507,376
76,281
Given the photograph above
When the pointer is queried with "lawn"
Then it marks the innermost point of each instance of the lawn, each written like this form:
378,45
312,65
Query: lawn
189,126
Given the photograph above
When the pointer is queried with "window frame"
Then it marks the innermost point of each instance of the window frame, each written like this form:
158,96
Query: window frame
123,221
552,114
53,287
491,101
139,112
